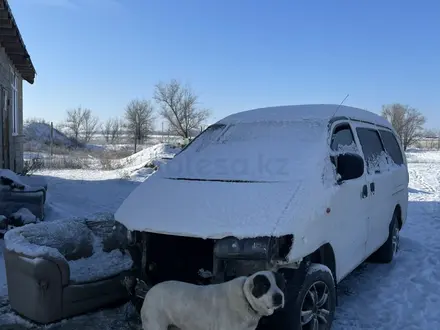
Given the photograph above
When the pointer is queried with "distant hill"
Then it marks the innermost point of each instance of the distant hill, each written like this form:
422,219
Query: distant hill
39,133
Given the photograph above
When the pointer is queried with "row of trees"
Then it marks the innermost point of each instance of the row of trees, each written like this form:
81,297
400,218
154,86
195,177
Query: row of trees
177,105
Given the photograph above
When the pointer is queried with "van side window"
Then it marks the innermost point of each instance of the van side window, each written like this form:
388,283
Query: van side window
372,148
392,146
342,136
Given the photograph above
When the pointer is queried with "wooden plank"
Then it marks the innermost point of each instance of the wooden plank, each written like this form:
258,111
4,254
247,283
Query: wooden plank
6,25
18,59
12,47
15,52
23,65
9,44
4,14
26,72
5,22
10,38
7,32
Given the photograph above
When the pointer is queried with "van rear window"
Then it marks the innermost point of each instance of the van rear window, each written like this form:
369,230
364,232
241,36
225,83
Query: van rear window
392,146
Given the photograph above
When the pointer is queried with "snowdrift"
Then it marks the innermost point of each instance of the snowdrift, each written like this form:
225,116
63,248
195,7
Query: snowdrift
148,155
145,162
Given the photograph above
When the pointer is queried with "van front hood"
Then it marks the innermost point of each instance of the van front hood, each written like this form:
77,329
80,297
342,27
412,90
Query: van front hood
207,208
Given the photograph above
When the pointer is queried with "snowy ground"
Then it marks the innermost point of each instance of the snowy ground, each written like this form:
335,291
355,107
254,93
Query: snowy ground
402,295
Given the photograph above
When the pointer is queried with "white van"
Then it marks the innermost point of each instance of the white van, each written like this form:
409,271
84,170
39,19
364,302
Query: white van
311,191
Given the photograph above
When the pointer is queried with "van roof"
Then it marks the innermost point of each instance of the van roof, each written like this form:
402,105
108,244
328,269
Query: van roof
320,112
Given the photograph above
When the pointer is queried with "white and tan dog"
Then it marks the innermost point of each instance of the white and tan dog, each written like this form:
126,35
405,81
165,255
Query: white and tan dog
234,305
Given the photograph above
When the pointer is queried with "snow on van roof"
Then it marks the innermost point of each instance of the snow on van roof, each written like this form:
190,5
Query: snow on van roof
322,112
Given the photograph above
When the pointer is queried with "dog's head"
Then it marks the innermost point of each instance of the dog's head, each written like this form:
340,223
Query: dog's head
264,291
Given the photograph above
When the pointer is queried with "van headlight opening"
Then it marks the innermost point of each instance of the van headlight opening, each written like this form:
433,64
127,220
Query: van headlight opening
259,248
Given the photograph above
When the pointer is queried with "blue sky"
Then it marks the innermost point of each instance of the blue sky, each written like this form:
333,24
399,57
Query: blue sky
236,54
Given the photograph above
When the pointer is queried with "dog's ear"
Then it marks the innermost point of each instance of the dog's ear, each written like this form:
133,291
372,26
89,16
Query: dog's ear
280,280
261,285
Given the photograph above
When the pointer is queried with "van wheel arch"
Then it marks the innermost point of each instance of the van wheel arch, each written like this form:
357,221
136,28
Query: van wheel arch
325,255
283,319
386,252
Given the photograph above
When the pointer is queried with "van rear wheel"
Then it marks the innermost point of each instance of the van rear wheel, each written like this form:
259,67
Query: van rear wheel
389,249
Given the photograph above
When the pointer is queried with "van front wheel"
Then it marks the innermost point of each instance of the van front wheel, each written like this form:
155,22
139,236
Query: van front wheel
310,305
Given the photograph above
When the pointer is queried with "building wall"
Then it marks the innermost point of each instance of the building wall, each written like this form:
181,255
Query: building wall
15,140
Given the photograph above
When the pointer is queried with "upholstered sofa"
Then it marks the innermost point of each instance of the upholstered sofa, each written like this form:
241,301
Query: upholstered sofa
67,267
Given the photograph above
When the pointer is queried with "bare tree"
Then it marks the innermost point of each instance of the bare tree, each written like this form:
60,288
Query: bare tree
81,124
139,117
408,122
179,108
116,130
112,130
90,125
36,120
74,122
106,130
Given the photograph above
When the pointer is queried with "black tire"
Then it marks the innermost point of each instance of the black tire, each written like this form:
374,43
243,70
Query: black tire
318,282
385,254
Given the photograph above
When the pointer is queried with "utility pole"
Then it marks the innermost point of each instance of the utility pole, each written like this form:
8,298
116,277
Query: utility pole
51,138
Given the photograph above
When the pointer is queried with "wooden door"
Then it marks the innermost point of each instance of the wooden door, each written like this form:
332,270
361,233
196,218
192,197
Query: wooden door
5,128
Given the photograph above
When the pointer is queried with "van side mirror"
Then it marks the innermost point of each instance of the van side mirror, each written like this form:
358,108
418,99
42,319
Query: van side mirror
349,166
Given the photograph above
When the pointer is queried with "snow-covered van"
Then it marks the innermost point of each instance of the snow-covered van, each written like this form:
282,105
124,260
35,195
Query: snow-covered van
311,191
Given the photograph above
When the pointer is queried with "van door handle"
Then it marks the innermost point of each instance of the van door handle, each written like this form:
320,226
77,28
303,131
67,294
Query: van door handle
364,191
372,187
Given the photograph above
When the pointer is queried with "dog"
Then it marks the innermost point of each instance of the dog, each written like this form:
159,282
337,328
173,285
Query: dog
238,304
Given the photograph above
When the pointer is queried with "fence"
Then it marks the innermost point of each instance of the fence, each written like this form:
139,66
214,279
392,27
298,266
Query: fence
428,143
36,161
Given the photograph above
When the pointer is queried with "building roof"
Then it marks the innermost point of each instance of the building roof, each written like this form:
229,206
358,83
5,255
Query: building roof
324,112
12,42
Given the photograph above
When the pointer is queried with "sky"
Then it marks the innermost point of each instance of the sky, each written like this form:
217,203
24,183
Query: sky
234,54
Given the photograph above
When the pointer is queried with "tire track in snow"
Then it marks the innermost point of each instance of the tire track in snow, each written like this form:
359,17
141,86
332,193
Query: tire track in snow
418,181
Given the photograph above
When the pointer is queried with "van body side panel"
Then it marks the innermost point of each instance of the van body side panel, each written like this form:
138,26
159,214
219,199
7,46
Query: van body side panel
380,183
345,227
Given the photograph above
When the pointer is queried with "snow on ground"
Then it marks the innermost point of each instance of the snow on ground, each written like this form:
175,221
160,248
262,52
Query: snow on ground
419,156
402,295
82,192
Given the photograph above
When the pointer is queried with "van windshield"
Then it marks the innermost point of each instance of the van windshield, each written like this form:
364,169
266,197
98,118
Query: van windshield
253,134
246,151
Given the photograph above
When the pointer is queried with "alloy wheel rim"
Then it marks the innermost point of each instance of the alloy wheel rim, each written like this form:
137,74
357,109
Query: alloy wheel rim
315,311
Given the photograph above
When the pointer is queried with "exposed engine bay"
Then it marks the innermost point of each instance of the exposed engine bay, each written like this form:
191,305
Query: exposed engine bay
160,257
